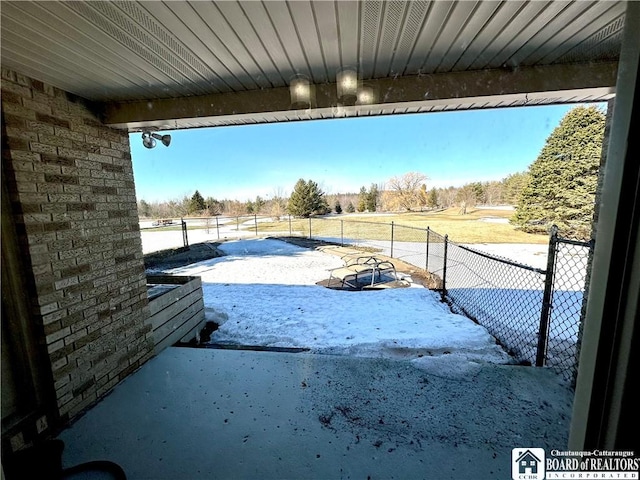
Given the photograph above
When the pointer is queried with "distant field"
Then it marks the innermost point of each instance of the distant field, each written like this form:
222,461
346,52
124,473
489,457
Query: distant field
480,225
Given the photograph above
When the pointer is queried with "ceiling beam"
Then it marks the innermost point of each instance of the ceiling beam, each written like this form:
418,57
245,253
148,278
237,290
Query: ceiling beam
562,83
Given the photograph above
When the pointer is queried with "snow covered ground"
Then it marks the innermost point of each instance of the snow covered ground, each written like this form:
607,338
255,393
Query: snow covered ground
264,292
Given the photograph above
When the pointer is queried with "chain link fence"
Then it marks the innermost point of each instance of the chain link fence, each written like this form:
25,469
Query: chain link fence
534,313
566,305
500,294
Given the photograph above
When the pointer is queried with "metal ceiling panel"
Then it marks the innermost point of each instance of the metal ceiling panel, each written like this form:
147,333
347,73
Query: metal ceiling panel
570,23
306,28
543,31
348,17
214,62
468,45
411,26
326,20
486,44
370,26
138,37
390,33
435,21
252,43
26,53
51,39
261,23
221,39
514,34
280,16
595,41
452,35
124,51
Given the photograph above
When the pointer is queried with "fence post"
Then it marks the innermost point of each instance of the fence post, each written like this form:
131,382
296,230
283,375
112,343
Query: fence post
309,227
217,227
342,233
185,239
426,263
290,234
546,298
444,268
237,223
391,239
255,222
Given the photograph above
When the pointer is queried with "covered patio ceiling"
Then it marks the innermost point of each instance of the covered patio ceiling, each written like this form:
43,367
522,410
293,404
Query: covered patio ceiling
178,64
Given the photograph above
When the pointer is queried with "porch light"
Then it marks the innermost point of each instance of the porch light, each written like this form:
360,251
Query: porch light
300,91
149,139
347,86
349,92
366,96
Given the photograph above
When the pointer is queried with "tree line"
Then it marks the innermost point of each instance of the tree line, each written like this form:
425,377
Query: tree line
398,196
559,188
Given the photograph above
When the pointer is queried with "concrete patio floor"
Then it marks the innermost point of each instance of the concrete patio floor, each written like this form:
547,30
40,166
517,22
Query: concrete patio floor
227,414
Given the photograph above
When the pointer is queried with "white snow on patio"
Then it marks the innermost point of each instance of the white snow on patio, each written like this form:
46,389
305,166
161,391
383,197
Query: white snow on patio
264,293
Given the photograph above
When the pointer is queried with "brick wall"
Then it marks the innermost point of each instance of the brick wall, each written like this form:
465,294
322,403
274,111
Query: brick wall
74,202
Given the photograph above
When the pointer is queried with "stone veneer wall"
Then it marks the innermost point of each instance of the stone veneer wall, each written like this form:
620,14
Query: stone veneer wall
73,197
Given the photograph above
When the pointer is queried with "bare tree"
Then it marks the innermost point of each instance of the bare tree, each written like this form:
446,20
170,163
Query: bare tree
406,189
466,198
278,205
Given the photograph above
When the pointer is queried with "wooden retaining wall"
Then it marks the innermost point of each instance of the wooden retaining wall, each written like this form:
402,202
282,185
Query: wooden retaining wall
178,314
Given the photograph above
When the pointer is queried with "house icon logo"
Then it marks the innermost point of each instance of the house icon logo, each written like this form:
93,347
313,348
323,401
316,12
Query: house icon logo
527,464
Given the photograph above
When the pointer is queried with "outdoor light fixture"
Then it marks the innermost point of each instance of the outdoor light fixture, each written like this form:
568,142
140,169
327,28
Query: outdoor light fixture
366,96
349,92
300,90
149,139
347,86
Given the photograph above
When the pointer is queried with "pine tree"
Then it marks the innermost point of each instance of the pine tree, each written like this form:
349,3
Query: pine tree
197,203
513,186
432,201
351,208
362,199
372,198
337,207
563,179
307,199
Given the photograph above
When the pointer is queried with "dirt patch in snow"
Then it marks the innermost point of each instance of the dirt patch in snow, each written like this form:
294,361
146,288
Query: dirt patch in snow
179,257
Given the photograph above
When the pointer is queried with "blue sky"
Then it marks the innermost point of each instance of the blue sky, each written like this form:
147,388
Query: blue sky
342,155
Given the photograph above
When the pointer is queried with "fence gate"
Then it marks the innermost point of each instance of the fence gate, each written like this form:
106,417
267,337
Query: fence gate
562,315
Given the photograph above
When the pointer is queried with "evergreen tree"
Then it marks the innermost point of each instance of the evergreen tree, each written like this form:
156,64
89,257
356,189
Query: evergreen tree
513,186
351,208
432,201
372,198
258,204
563,179
338,207
362,199
144,209
197,203
307,199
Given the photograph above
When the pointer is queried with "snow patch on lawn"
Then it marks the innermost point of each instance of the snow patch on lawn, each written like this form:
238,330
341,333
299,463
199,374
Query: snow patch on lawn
264,292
